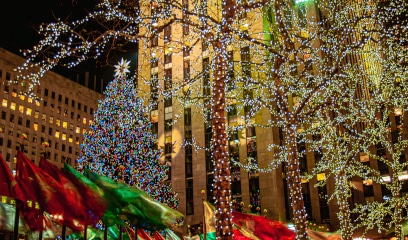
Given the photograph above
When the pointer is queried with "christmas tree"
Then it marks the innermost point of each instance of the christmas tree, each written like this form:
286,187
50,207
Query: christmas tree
120,144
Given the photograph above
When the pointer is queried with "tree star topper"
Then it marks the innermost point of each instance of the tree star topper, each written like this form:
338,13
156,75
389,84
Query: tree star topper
122,68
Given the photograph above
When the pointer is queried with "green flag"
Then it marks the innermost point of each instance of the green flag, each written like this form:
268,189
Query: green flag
136,206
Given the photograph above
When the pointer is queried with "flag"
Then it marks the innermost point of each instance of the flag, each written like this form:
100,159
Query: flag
142,235
113,207
262,227
170,235
136,206
158,236
8,185
89,208
40,187
209,217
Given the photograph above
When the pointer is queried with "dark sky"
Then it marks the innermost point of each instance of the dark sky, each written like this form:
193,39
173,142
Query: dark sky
18,23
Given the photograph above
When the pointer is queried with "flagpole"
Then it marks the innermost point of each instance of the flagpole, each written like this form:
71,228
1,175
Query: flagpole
105,233
64,230
120,232
204,222
85,232
16,218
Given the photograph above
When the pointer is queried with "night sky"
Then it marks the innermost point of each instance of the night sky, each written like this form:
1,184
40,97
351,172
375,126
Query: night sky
19,21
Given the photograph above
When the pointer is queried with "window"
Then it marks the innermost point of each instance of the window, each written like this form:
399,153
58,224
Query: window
13,106
65,125
59,97
64,136
72,103
28,111
49,131
77,130
58,122
65,112
35,127
91,111
57,134
44,117
53,95
70,139
14,93
84,120
78,117
28,123
42,128
59,110
6,87
3,115
20,121
36,114
56,146
186,70
167,32
85,108
79,106
66,100
71,126
51,120
11,117
4,103
46,92
63,147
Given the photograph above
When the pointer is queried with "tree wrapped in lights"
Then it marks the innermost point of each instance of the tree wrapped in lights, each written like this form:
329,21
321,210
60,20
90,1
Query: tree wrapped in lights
120,144
297,64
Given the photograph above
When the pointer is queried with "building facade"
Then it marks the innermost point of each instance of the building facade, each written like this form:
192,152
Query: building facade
52,125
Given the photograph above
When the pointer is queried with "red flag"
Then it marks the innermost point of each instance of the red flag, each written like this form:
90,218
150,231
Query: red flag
89,206
262,227
8,185
158,236
141,234
38,186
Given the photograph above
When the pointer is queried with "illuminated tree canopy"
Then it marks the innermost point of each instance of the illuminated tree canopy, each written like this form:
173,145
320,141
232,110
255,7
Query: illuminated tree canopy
300,61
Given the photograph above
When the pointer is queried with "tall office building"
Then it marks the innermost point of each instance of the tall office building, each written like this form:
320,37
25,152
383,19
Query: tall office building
52,126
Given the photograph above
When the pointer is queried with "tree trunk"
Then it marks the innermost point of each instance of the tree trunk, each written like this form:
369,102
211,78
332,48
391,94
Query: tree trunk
294,183
222,174
344,208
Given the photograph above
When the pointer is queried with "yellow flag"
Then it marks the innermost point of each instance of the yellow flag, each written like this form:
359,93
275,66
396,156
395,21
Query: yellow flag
209,217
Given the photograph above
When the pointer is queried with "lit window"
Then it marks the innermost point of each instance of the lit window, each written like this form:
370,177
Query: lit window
321,176
83,131
14,93
71,139
30,100
36,126
37,114
64,136
4,103
22,97
37,103
13,106
44,117
21,108
78,130
90,122
57,134
58,122
65,125
71,126
28,111
84,120
77,140
51,119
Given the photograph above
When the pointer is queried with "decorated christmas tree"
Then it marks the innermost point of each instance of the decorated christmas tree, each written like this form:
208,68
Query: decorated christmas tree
120,144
